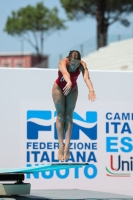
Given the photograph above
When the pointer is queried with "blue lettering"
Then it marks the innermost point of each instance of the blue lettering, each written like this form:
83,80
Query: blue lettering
115,126
126,128
125,116
125,142
28,145
82,157
49,145
94,146
109,144
88,145
107,127
53,157
71,145
28,156
116,116
76,174
56,145
42,145
35,145
80,146
90,172
92,157
35,153
35,175
45,157
86,171
48,174
107,116
71,158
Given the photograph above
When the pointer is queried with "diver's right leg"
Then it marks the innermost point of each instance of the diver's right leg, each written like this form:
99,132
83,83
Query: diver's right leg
59,101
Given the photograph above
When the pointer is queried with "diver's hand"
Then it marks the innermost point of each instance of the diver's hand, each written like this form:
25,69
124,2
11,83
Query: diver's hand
92,96
67,88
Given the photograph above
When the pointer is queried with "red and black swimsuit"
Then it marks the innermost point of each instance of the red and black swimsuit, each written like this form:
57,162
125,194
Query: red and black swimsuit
60,81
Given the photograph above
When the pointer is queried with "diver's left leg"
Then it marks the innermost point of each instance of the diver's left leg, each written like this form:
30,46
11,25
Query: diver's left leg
70,104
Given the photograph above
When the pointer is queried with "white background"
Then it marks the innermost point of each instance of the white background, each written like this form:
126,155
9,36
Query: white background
22,89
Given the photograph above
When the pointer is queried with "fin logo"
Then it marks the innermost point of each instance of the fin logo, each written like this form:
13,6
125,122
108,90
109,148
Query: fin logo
38,121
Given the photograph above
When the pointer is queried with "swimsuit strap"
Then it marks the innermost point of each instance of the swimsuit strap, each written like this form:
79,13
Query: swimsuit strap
67,62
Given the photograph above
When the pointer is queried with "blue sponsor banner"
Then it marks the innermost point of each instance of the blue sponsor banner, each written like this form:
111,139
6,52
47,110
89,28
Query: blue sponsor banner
43,122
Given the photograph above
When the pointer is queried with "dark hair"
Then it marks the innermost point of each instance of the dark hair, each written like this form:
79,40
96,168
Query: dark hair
74,55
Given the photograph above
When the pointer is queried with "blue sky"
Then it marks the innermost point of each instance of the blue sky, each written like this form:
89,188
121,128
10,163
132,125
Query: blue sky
61,41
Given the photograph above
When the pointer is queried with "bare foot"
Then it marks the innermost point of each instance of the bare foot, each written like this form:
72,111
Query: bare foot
66,153
61,153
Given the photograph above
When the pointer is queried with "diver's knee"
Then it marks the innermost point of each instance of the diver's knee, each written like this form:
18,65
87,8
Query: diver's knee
68,117
61,117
